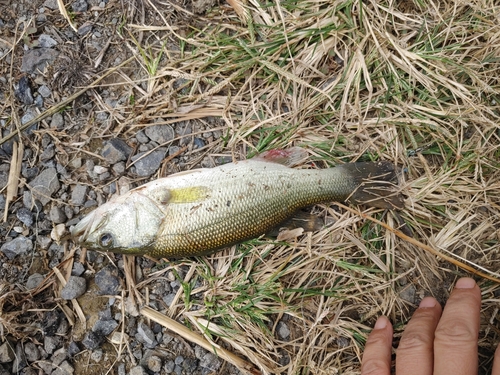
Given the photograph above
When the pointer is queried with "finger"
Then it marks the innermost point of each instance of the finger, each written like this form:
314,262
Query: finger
455,342
377,356
415,353
496,362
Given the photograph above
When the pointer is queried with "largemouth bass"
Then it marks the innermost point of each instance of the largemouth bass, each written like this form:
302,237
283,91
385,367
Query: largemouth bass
200,211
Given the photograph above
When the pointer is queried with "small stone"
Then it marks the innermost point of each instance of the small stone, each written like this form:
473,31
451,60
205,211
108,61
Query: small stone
96,355
44,185
408,293
198,142
74,288
48,153
154,363
79,6
73,349
79,194
6,352
37,59
43,242
104,327
169,367
179,359
57,215
50,343
50,323
18,246
51,4
57,122
46,41
148,164
160,133
59,356
34,280
116,150
78,269
138,370
92,340
20,360
169,298
119,338
107,281
44,91
141,137
98,169
32,352
283,330
211,362
25,216
76,162
119,168
64,369
146,336
23,91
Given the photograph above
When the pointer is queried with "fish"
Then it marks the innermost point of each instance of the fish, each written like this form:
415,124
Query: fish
200,211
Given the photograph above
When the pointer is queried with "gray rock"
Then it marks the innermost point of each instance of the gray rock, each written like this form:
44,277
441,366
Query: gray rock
141,137
104,327
48,153
50,343
179,359
44,185
6,352
169,367
92,340
23,91
79,194
107,281
34,280
160,133
154,363
96,355
20,360
29,172
37,59
121,369
28,116
44,91
198,142
59,356
46,41
57,121
146,336
32,352
74,288
116,150
51,4
73,349
57,215
25,216
83,30
283,330
119,168
78,269
138,370
409,293
149,164
79,6
18,246
211,362
168,299
43,242
64,369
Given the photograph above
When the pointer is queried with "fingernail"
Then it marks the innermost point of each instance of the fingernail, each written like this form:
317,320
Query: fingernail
465,283
381,322
427,302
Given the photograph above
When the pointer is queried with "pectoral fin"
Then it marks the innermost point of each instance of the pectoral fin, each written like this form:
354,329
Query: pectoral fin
180,195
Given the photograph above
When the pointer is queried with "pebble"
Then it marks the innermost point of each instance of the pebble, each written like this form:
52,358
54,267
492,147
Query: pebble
57,122
20,360
107,281
32,352
51,4
198,142
149,164
48,153
23,91
29,172
119,168
141,137
169,367
283,330
73,349
74,288
44,185
57,215
46,41
64,369
154,363
92,340
18,246
116,150
211,362
34,280
6,352
79,194
59,356
50,323
79,6
38,59
78,269
168,299
50,343
138,370
25,216
104,327
96,355
408,293
160,133
45,92
146,336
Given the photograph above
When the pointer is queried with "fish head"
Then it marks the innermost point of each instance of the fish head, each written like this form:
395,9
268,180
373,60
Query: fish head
127,224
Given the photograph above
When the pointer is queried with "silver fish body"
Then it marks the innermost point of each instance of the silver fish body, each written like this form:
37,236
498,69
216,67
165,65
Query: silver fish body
200,211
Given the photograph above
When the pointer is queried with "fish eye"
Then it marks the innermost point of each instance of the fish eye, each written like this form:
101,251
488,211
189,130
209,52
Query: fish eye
106,240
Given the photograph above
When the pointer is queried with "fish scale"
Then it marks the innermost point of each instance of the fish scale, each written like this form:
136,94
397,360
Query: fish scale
198,212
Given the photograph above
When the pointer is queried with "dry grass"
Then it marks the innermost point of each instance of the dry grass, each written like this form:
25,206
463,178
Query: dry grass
414,82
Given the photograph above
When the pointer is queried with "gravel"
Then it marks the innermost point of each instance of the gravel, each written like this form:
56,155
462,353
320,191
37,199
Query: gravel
74,288
147,163
18,246
79,194
44,185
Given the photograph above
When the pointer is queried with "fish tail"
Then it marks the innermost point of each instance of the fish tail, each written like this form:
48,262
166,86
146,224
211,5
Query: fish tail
375,183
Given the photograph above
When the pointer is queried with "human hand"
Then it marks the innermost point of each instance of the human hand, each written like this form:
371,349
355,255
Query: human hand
435,342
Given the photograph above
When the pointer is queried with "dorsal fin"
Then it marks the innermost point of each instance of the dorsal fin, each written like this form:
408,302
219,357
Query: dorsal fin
289,157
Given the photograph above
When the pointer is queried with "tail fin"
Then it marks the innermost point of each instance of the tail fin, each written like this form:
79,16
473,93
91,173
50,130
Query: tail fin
375,181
